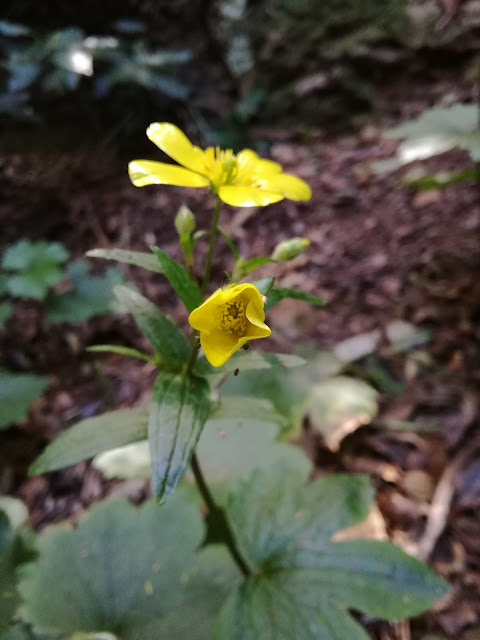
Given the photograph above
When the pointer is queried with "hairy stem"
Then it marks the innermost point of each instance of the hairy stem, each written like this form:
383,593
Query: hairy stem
216,515
211,244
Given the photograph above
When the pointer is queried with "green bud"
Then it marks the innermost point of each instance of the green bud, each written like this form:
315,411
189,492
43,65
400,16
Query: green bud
184,221
289,249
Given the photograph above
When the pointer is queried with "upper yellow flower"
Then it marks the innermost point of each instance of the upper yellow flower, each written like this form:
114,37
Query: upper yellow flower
242,180
228,319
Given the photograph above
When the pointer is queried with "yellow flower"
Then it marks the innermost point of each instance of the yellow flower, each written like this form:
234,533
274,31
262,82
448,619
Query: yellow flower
242,180
228,319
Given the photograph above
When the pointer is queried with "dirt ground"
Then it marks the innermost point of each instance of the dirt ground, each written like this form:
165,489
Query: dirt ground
379,252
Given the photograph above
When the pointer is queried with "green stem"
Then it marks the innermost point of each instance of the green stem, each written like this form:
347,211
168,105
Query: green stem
218,518
216,515
211,244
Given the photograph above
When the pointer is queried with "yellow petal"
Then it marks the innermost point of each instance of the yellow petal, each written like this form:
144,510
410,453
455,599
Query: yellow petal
247,196
143,172
256,316
219,346
204,318
175,144
289,186
249,160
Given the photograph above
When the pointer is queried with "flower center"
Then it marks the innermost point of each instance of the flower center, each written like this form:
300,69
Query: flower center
232,316
220,166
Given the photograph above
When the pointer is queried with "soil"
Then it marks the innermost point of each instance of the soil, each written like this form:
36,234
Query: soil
379,252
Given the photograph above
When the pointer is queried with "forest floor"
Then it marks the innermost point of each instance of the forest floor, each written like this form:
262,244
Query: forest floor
379,253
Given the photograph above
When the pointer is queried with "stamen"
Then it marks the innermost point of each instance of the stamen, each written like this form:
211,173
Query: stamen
233,318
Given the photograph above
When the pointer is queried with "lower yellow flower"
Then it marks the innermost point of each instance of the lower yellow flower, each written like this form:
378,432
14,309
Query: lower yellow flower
228,319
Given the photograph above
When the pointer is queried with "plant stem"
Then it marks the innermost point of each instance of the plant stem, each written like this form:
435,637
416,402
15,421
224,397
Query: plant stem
216,515
218,518
211,244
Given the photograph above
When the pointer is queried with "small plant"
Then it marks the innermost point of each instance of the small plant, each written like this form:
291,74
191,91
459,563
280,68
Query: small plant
268,566
30,271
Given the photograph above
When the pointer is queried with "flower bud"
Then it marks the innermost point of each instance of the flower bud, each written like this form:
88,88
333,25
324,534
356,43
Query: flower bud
289,249
184,221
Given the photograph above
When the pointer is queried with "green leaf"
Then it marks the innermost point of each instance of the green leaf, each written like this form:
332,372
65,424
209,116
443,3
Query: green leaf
19,632
247,360
16,551
17,391
136,258
302,583
91,295
276,294
92,436
132,572
179,409
264,285
122,351
440,180
245,266
6,309
166,338
24,254
38,266
181,282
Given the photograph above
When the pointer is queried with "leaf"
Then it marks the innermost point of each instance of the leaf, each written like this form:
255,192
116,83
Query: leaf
338,406
181,282
17,391
438,130
245,266
132,572
6,309
16,550
179,409
165,337
137,258
302,583
24,254
92,436
91,295
247,360
264,285
122,351
277,294
440,180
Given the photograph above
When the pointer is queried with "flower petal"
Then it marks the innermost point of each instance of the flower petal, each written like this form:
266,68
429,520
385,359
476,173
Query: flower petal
249,160
143,172
219,346
172,141
204,318
247,196
256,316
289,186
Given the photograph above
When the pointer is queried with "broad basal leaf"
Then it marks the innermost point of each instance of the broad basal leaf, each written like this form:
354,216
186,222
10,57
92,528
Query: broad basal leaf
179,409
17,391
137,258
302,584
132,572
247,360
181,282
92,436
166,338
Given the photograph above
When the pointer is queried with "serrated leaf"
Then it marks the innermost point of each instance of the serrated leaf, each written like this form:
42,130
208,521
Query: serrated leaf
91,295
24,254
137,258
166,338
17,391
132,572
92,436
302,584
276,294
179,409
181,282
